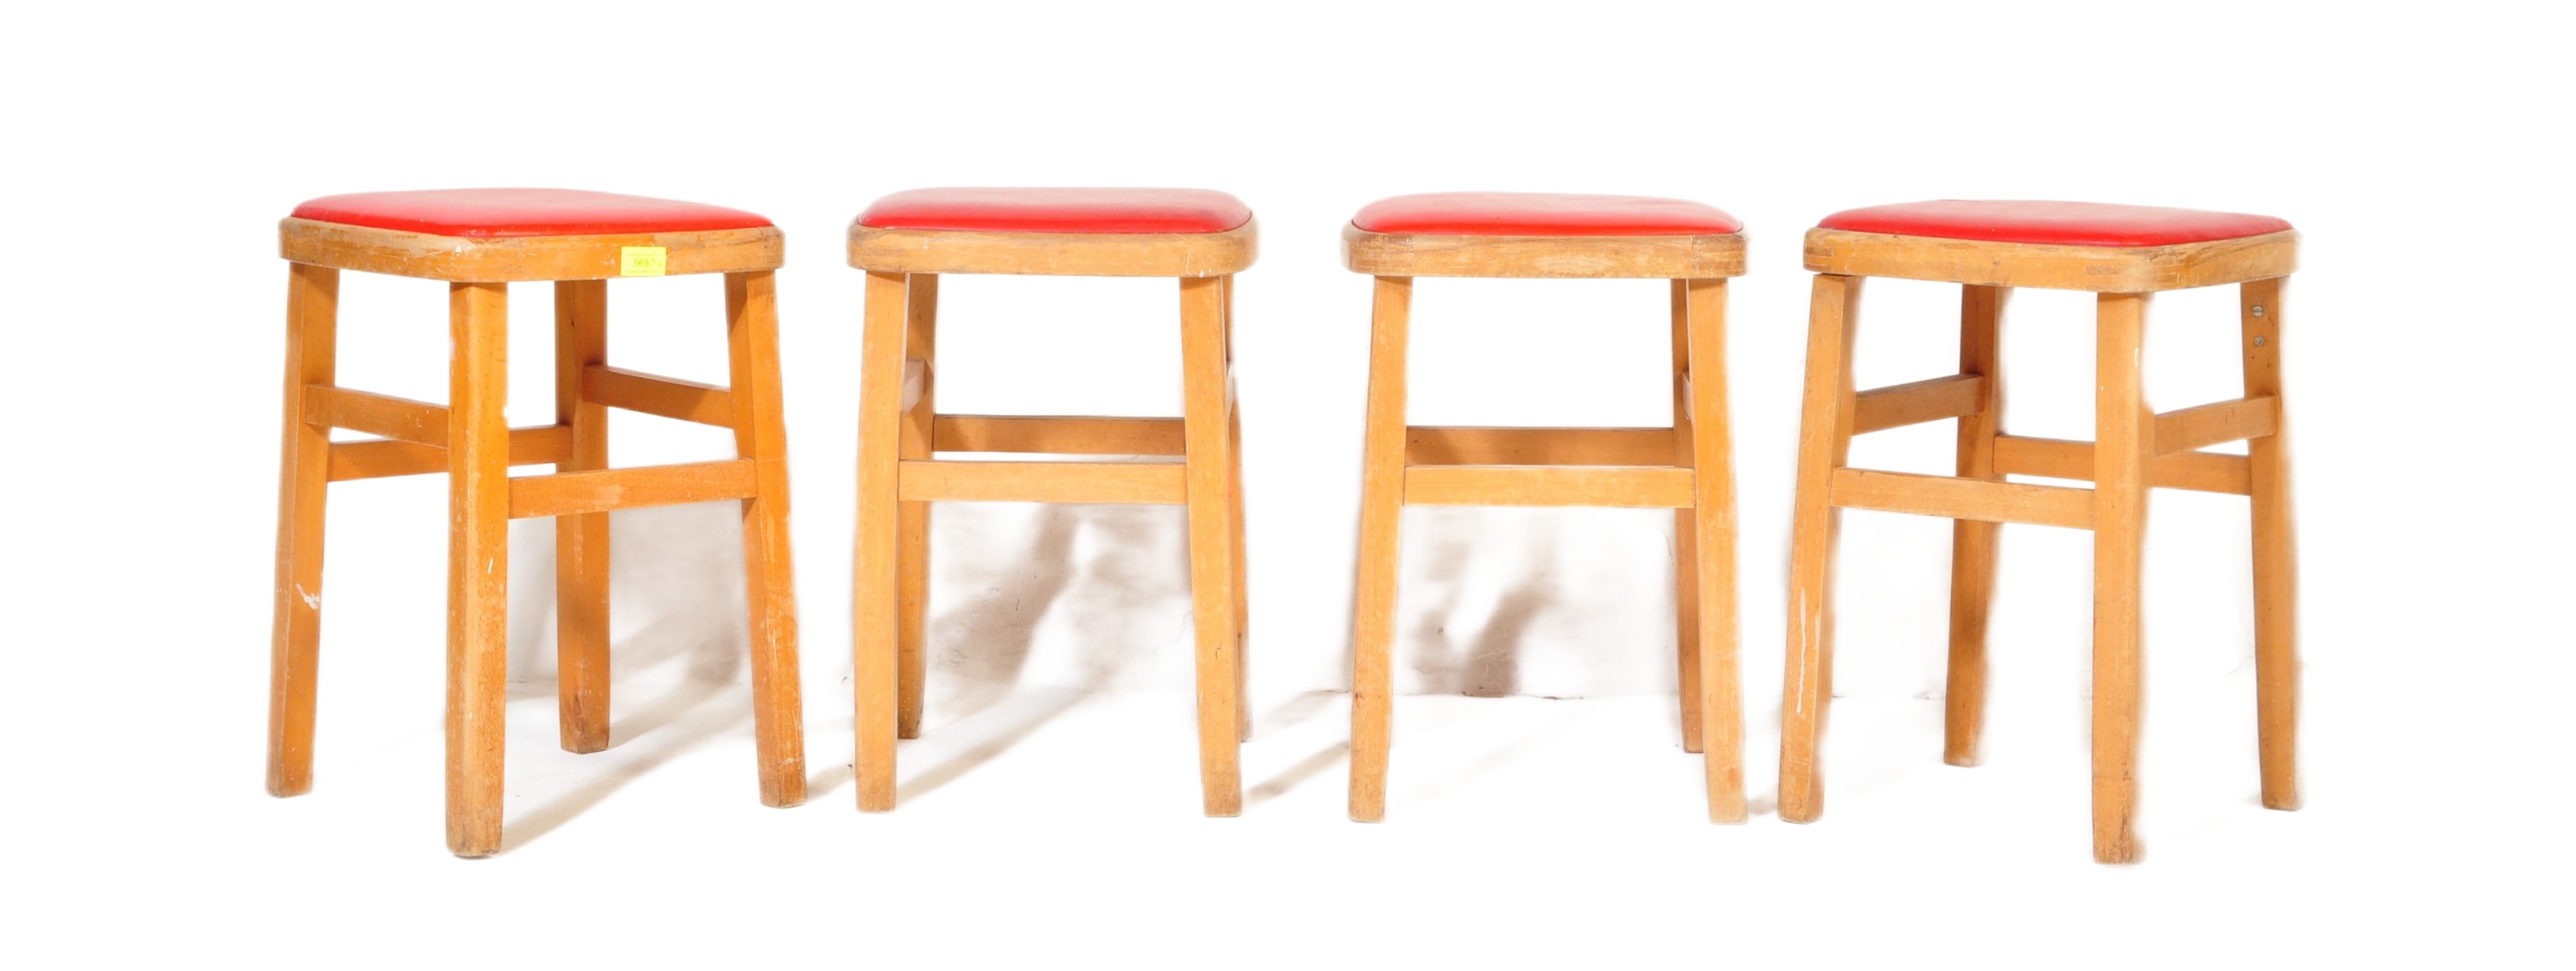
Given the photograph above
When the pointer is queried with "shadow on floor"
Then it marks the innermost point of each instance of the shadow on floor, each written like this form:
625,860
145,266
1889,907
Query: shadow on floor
989,599
1289,778
1488,664
680,720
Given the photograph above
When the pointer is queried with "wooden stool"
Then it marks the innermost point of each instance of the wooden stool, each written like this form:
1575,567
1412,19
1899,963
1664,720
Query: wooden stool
1686,468
2121,253
480,240
905,241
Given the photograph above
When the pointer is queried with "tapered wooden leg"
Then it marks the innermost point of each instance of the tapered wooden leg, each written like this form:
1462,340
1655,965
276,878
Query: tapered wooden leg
1381,511
877,579
478,564
2124,435
1234,495
760,434
912,519
1685,528
1720,695
2276,564
581,541
1972,543
303,473
1824,442
1212,573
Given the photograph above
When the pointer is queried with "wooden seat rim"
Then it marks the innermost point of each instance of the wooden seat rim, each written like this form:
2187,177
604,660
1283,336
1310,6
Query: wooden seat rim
1185,255
1679,257
2048,266
511,259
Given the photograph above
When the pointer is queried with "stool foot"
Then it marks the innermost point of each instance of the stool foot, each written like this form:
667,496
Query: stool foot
2120,847
1381,512
304,466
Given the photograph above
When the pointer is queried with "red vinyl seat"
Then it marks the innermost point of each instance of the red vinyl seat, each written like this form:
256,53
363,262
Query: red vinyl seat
1542,214
500,213
1034,210
2056,223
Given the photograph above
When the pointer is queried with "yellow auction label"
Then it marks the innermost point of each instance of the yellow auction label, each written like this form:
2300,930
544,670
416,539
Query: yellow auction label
642,260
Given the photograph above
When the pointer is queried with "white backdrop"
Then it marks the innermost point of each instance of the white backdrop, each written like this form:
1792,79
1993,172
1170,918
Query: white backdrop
2416,150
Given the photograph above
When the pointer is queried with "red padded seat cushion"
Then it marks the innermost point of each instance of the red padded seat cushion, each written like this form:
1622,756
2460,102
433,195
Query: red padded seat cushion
1542,214
523,212
2058,223
1030,210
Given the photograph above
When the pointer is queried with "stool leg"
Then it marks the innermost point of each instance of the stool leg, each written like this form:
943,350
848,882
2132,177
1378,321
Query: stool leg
877,574
760,434
303,474
581,541
1685,528
1713,508
1381,513
2276,574
1972,543
1234,495
478,564
2124,444
1211,512
1824,443
912,519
